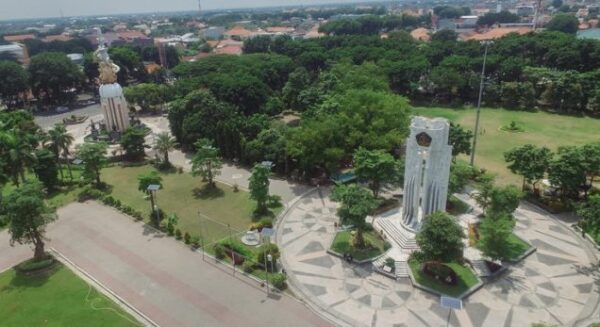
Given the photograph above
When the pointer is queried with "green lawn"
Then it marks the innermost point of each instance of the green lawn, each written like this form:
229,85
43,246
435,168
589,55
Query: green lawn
60,299
466,279
342,244
541,128
181,194
517,246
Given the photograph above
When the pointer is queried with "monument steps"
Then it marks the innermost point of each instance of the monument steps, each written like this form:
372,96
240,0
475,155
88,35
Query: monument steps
403,238
401,269
480,268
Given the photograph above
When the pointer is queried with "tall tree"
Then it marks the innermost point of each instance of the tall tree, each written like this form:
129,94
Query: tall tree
259,186
376,167
164,144
504,201
565,23
132,141
356,204
53,75
20,155
46,168
589,214
206,161
460,139
14,82
60,143
494,237
441,238
529,161
94,159
27,216
567,171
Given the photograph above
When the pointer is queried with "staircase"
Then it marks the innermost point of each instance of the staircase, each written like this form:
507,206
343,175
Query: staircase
402,269
480,268
402,237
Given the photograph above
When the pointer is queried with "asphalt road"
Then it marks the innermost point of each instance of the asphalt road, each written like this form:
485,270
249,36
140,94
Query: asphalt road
47,121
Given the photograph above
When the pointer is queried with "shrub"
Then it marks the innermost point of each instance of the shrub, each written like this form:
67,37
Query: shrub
186,238
180,170
219,251
178,234
89,193
156,218
274,201
195,241
117,204
108,200
237,247
278,281
137,215
390,262
33,265
265,222
266,249
248,266
236,188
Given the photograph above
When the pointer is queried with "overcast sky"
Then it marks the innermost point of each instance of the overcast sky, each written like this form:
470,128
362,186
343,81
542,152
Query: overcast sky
14,9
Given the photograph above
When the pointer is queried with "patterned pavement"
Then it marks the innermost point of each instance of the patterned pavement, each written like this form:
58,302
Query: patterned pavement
557,284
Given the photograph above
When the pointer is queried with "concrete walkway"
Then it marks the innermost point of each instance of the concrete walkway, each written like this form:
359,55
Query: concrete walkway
558,284
158,275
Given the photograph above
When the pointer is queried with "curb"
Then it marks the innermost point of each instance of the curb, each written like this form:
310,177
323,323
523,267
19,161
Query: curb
105,290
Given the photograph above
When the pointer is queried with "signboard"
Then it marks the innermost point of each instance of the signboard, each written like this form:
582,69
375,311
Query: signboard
451,303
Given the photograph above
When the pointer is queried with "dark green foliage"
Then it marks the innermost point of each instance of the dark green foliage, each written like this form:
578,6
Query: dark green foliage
94,159
377,168
441,238
460,139
14,81
178,235
259,187
263,251
187,238
565,23
53,75
502,17
132,141
356,203
46,168
503,201
278,281
529,161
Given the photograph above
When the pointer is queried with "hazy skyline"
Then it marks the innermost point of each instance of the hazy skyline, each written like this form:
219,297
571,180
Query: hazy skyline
18,9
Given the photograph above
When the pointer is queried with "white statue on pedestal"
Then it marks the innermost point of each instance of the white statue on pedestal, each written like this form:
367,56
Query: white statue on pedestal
114,106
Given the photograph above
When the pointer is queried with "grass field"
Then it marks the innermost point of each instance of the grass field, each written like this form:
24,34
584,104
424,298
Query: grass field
183,194
341,244
60,299
466,278
541,128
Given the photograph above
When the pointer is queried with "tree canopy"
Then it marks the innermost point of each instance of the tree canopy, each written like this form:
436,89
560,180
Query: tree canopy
441,238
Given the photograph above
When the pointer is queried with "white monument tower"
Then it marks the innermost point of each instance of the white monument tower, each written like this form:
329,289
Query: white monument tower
427,170
114,106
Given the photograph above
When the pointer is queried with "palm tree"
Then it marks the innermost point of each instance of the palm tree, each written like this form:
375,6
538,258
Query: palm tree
20,156
60,141
165,143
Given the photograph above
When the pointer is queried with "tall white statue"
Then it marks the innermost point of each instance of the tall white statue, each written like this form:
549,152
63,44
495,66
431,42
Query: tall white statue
114,105
427,170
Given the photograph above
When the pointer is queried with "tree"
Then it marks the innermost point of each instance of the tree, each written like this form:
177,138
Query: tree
259,187
483,195
441,238
494,237
147,179
460,174
14,82
94,159
132,141
356,203
460,140
589,214
27,217
445,35
60,142
529,161
130,63
503,201
53,75
567,171
557,3
164,144
147,95
565,23
376,167
591,157
46,168
206,161
20,155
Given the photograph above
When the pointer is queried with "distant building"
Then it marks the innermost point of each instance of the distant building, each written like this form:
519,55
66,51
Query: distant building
525,10
17,50
467,21
76,58
241,33
421,34
446,24
18,38
127,37
213,32
58,37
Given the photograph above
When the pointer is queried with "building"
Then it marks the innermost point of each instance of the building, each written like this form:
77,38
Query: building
421,34
241,33
76,58
18,38
16,50
525,10
467,21
213,32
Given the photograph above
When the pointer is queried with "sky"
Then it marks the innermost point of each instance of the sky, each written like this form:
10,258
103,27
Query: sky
17,9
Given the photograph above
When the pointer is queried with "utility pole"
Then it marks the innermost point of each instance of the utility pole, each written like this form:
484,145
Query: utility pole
481,85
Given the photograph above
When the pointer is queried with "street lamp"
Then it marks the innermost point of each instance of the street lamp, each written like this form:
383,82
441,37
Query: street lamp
152,188
481,84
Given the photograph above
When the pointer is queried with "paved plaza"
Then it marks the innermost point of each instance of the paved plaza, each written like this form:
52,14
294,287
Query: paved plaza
158,275
557,284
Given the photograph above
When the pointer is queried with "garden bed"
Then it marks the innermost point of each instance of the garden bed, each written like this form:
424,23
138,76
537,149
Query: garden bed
465,282
376,246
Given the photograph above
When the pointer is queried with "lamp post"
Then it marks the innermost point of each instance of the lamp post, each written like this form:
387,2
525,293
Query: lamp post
152,188
481,85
